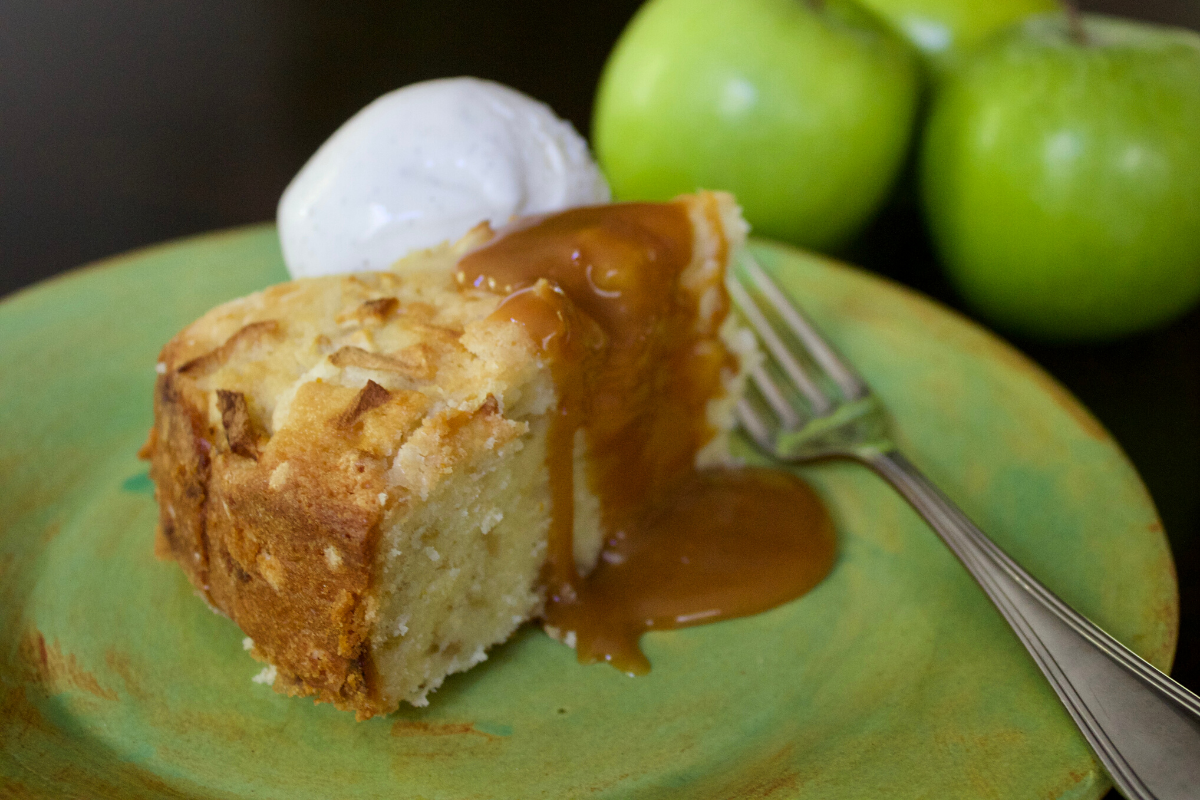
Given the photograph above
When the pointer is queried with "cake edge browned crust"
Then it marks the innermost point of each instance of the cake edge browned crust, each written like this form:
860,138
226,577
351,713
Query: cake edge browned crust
216,518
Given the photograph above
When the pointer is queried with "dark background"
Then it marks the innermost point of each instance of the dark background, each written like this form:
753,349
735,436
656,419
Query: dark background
123,123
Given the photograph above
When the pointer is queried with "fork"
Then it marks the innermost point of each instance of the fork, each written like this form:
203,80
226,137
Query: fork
804,402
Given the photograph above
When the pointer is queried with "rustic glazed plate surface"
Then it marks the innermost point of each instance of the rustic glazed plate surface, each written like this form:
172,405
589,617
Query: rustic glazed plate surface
894,678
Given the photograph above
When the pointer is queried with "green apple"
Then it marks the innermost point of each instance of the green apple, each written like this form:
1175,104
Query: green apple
803,110
942,30
1061,178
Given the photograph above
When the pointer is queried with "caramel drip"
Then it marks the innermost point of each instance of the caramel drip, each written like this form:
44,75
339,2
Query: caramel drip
721,544
600,290
574,345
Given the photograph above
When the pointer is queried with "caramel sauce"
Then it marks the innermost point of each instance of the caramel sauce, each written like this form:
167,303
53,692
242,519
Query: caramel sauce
635,364
721,544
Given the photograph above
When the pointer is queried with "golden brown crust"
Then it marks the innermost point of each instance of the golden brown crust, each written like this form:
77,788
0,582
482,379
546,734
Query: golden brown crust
181,448
292,568
267,558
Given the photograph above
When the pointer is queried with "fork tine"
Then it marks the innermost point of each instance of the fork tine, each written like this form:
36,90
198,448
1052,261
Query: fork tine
758,429
820,403
839,371
774,395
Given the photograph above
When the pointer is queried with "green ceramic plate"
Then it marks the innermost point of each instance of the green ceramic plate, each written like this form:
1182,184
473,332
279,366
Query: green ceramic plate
894,678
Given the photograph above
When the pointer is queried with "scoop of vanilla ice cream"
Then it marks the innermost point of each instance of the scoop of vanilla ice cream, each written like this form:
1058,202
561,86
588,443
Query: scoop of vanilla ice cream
423,165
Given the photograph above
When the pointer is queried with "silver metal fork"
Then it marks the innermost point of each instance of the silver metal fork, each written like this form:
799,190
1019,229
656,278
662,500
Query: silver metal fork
804,402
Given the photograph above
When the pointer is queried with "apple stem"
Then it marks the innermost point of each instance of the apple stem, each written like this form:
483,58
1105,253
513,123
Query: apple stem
1074,21
817,5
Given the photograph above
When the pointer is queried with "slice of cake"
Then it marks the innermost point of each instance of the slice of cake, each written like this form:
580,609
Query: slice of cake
380,476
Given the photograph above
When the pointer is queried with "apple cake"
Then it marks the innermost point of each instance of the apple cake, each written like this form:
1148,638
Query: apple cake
379,476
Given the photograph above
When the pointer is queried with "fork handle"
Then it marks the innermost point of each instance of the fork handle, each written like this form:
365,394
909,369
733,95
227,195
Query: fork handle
1143,726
